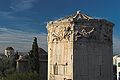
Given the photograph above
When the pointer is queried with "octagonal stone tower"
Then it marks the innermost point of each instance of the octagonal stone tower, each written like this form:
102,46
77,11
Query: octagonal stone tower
80,48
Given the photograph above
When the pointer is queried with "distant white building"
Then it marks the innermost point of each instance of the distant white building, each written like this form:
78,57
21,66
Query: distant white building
116,61
9,51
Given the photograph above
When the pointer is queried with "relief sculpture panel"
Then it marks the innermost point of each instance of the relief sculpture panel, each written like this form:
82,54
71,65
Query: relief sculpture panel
59,33
84,32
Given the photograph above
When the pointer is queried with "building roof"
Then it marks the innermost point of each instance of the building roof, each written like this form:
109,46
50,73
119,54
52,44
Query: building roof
41,51
79,15
116,56
23,57
9,48
42,55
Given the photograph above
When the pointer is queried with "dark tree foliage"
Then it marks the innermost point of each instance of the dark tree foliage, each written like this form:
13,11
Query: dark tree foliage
34,57
21,76
6,66
16,57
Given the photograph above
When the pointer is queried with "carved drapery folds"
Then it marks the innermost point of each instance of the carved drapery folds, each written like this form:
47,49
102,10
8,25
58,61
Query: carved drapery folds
84,32
59,33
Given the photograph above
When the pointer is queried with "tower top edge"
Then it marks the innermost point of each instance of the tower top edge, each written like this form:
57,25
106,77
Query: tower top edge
78,17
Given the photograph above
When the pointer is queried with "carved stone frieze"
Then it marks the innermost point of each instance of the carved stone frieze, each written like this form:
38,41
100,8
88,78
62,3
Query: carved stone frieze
59,33
83,33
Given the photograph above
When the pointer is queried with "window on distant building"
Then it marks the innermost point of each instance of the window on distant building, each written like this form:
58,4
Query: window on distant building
118,64
55,67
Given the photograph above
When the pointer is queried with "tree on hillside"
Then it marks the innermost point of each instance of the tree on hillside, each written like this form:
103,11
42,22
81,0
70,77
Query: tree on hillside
16,57
6,66
34,57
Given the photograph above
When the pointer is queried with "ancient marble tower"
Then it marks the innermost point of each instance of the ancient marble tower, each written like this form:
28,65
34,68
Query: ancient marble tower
80,48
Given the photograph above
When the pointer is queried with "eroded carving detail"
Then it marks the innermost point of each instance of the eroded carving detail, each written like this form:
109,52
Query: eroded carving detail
107,34
67,33
61,33
52,77
83,33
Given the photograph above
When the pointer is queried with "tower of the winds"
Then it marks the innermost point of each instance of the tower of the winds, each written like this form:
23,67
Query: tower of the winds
80,48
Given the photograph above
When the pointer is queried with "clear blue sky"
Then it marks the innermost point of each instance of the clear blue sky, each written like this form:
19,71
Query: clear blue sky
32,15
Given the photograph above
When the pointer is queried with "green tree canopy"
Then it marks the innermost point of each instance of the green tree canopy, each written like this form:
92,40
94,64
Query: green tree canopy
34,57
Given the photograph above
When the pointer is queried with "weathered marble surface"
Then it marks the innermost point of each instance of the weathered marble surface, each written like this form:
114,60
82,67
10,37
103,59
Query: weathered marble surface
79,48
